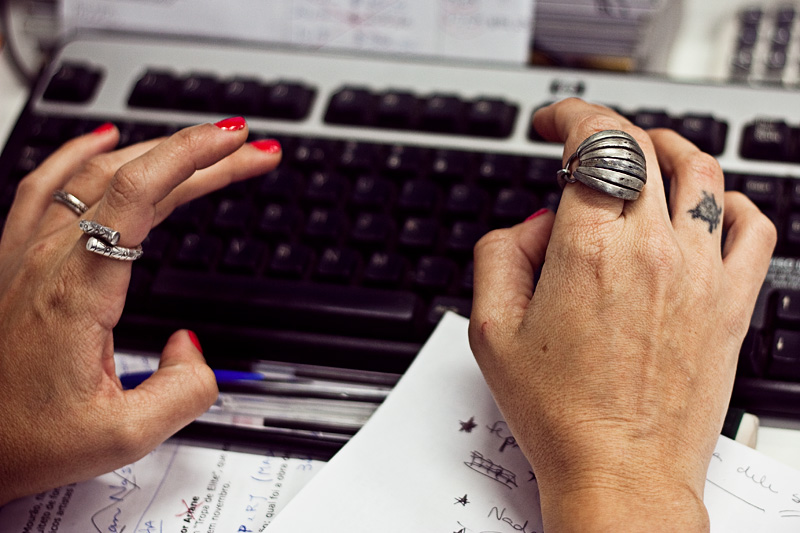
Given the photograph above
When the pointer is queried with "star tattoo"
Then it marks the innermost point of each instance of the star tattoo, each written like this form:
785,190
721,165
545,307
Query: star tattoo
708,211
469,425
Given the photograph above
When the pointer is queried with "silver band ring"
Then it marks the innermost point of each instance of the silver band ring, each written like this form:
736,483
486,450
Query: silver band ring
610,161
71,201
114,252
93,229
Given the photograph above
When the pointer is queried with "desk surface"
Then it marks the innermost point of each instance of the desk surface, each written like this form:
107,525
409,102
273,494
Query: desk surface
692,53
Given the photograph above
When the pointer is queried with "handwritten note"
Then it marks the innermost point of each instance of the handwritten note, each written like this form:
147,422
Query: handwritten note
497,30
176,489
438,457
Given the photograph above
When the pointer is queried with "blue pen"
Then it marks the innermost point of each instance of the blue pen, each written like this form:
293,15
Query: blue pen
224,377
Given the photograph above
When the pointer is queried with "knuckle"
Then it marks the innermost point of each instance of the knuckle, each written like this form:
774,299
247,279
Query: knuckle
128,185
702,166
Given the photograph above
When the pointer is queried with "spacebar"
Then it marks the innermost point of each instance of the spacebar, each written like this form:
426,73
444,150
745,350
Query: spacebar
284,304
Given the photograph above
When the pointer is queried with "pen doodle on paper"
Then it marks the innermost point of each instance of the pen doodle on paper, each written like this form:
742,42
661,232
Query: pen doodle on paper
789,513
493,471
107,518
736,496
463,501
501,431
761,481
469,425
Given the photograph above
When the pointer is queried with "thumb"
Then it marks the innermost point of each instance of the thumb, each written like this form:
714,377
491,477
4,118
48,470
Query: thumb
180,390
505,264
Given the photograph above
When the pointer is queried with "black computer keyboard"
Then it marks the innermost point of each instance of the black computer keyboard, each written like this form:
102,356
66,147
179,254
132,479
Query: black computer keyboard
350,252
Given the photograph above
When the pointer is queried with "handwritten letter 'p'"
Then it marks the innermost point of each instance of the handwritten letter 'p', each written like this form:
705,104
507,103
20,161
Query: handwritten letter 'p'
438,457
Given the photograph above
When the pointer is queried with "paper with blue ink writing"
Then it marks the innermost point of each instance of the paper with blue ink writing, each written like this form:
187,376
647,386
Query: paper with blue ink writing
175,489
437,457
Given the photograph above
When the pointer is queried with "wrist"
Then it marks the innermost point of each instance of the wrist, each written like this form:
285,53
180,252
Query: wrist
626,510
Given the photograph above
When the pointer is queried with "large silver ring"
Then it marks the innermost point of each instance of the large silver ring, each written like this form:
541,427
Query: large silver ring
63,197
610,161
114,252
93,229
103,240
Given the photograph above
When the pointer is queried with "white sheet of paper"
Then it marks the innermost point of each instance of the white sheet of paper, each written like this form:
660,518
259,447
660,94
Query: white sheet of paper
176,488
437,456
496,30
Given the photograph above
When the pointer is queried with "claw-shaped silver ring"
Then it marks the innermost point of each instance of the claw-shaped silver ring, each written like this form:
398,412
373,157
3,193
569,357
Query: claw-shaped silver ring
610,161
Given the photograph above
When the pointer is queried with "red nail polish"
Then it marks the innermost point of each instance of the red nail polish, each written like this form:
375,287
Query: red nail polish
103,128
538,213
195,340
270,146
231,124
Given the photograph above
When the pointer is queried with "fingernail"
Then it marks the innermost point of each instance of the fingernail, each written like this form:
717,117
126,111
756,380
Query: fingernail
103,128
538,213
231,124
270,146
195,340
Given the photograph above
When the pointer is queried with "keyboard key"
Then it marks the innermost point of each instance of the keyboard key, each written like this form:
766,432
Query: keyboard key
442,304
310,154
357,157
395,109
241,96
652,118
403,161
449,165
463,237
326,188
372,229
491,117
768,140
419,233
512,206
198,92
325,225
418,196
228,299
233,216
287,100
371,192
155,89
337,265
243,256
198,252
74,83
279,221
785,362
434,273
541,172
465,201
191,216
281,184
792,233
384,268
350,105
706,132
442,113
762,190
787,306
496,170
289,260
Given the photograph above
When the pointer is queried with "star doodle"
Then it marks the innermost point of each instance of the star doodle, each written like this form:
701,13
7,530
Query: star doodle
463,501
708,211
469,425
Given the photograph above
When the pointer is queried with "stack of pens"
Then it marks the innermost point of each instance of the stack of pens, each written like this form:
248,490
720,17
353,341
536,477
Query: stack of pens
295,405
